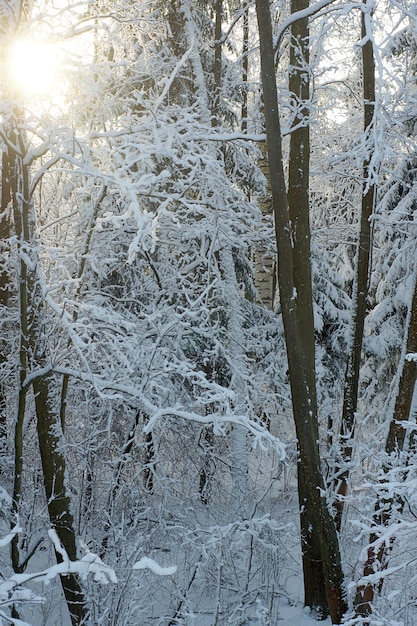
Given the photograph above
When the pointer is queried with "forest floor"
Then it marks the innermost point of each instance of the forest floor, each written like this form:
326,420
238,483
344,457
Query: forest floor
296,616
273,555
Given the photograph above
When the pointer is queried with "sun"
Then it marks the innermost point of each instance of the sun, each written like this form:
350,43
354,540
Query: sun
32,67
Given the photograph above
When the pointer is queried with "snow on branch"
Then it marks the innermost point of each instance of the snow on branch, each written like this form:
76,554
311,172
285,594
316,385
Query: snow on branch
300,15
375,578
262,437
170,79
8,538
13,591
147,563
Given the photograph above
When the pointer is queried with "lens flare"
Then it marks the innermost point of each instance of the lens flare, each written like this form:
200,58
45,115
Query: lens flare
32,67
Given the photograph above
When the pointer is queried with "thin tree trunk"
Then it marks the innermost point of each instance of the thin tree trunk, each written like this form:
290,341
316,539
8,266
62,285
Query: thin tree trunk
297,345
265,270
245,70
18,183
377,559
4,288
149,464
360,288
4,227
239,442
33,357
5,234
206,442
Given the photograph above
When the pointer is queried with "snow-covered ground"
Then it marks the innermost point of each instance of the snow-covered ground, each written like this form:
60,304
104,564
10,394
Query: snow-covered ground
187,564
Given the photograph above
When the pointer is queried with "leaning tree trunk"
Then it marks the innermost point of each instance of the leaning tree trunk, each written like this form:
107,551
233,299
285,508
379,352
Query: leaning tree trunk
296,322
377,558
34,362
360,287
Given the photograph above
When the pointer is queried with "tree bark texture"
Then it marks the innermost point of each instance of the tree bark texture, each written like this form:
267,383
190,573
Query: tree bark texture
245,70
299,215
217,65
18,187
295,319
265,267
5,234
54,478
360,288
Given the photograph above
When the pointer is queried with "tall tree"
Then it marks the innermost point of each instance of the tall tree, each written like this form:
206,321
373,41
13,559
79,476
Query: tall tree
35,367
299,330
361,280
299,217
396,266
5,234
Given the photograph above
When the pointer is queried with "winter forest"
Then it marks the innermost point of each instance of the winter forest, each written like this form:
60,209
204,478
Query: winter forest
208,312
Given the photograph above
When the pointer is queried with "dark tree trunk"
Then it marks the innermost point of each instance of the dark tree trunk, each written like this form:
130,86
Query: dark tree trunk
18,188
299,214
59,504
360,290
296,324
149,465
33,357
245,70
377,559
6,196
313,574
206,444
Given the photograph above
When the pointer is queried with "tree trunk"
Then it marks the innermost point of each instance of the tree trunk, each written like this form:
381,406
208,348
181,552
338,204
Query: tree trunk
360,289
377,559
299,215
239,443
54,478
299,336
33,357
245,71
206,442
296,323
5,233
18,186
265,270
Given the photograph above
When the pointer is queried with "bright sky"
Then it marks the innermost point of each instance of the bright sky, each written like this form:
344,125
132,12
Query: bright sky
37,64
32,67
